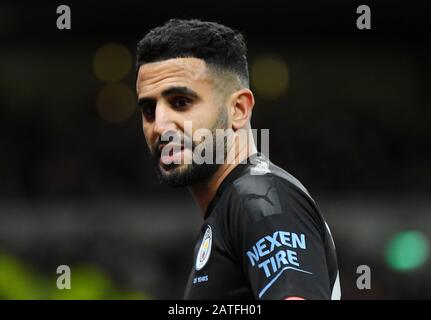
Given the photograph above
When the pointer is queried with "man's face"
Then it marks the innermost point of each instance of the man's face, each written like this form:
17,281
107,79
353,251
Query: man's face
171,92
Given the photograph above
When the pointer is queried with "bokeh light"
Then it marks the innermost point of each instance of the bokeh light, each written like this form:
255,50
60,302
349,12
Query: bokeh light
269,77
407,250
112,62
116,102
18,281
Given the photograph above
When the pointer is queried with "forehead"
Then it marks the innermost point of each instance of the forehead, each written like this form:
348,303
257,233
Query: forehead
155,76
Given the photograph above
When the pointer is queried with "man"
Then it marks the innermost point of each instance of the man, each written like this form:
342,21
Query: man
263,236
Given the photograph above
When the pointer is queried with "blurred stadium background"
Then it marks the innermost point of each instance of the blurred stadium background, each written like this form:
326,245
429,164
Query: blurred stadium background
348,111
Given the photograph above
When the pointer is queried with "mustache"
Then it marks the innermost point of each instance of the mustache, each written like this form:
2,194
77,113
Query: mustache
172,136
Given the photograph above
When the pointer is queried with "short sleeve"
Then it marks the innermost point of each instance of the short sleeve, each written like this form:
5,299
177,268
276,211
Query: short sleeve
279,238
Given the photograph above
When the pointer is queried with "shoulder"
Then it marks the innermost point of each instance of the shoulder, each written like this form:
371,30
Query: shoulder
264,189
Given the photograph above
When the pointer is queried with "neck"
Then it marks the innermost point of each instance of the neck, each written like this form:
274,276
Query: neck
203,192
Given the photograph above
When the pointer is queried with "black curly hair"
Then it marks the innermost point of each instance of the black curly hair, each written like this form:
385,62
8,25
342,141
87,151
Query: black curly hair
219,46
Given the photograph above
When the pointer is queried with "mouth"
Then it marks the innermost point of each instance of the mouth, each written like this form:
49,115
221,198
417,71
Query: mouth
173,156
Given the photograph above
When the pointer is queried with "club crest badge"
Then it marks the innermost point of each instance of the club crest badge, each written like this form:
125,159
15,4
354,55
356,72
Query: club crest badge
205,249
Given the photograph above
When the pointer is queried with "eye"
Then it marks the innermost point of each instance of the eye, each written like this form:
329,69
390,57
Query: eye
148,109
180,102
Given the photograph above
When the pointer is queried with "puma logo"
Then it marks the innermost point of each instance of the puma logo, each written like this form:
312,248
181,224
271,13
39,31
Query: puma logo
254,196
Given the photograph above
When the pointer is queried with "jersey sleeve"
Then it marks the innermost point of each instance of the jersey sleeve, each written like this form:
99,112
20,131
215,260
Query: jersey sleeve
278,237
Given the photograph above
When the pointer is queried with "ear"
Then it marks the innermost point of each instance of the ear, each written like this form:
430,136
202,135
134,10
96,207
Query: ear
242,102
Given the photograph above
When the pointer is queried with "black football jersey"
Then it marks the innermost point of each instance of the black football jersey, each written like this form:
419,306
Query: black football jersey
263,238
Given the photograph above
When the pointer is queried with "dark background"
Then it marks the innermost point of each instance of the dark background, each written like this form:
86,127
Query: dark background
352,122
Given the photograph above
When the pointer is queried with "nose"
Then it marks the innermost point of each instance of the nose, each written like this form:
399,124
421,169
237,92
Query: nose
164,119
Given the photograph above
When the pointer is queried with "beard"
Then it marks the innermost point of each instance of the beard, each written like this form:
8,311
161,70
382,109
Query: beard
181,175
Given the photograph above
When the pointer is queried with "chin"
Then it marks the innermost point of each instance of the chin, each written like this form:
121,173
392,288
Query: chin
170,169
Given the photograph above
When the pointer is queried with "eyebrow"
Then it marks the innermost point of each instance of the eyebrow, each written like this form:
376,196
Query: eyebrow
180,90
169,92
